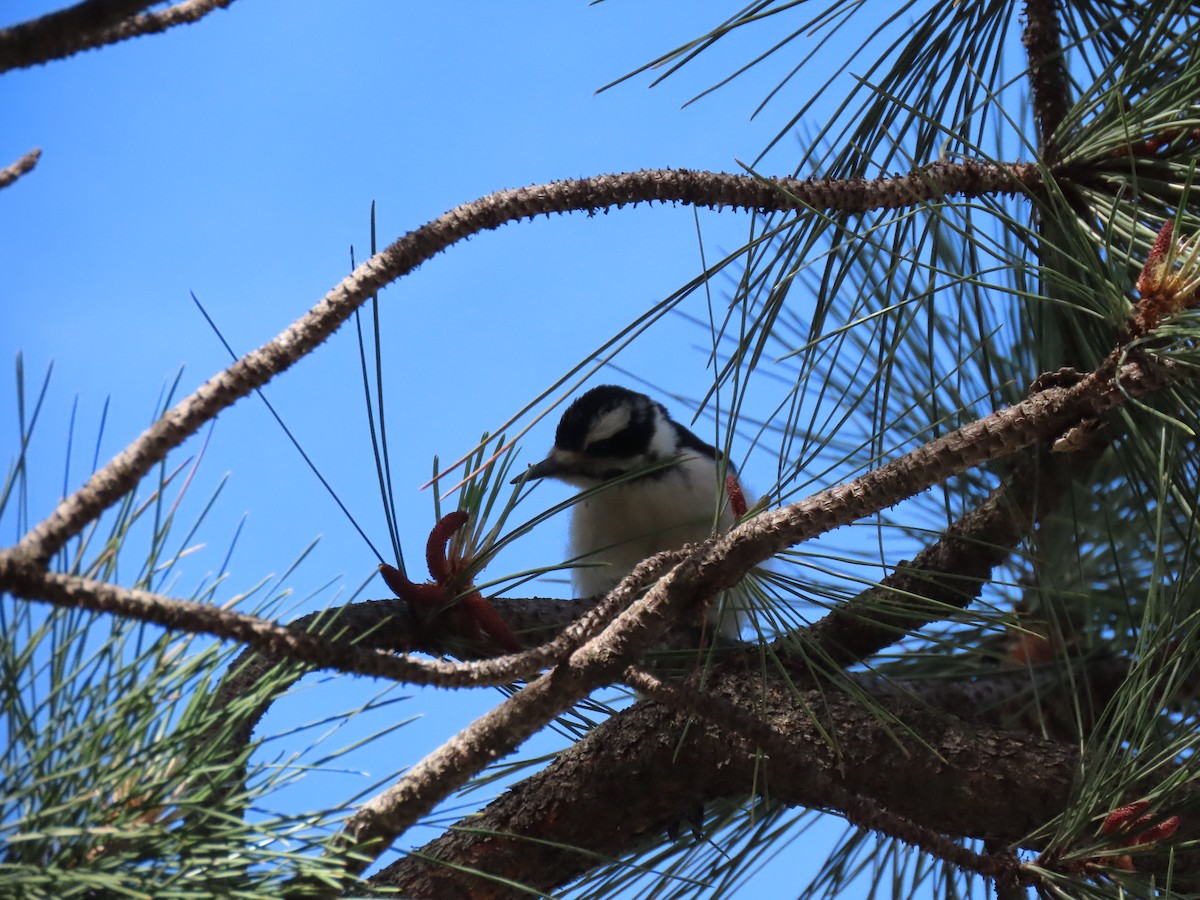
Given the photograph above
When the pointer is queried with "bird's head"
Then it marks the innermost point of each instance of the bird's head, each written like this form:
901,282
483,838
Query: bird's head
608,432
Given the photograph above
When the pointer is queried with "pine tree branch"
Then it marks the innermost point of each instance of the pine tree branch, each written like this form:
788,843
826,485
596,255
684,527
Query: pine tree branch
92,24
550,626
1048,82
948,574
1041,417
562,820
1044,415
707,189
703,573
649,766
715,566
278,642
503,729
759,734
1062,700
397,627
25,164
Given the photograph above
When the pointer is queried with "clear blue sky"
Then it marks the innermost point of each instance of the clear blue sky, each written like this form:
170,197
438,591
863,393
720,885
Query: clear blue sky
238,158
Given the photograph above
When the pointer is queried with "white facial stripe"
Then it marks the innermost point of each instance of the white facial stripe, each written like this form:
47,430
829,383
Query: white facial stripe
663,441
565,457
612,422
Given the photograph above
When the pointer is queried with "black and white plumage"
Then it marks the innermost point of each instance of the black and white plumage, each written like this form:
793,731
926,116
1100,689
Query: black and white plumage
610,432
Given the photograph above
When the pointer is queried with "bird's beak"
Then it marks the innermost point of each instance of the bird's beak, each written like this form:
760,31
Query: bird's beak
550,467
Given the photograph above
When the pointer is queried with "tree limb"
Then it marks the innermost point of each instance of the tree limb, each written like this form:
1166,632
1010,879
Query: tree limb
1048,83
278,642
259,366
949,573
25,164
650,766
91,24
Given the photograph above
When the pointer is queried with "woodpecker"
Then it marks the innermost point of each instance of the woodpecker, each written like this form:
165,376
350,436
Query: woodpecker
663,487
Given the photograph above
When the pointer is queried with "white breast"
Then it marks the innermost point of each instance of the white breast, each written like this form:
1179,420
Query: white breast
620,526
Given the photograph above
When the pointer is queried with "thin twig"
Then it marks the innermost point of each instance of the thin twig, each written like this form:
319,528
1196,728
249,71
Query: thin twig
92,24
278,642
25,164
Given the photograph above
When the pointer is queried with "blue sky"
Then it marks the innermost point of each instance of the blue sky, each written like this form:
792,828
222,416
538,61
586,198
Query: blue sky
238,159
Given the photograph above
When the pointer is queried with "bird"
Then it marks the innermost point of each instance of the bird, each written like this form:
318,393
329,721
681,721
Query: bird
649,485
